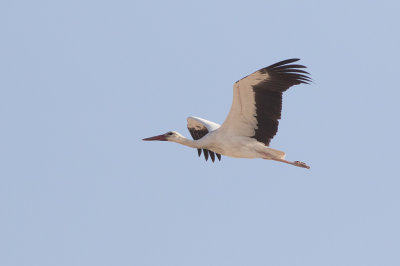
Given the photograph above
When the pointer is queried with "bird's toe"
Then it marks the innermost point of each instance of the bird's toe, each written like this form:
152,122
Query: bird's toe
301,164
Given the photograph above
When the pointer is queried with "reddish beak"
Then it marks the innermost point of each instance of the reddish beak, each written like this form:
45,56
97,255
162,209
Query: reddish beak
159,137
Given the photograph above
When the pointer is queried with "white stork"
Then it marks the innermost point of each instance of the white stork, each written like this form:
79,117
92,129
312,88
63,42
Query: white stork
252,121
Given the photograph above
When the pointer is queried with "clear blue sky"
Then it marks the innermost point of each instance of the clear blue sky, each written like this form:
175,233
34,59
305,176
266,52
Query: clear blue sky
82,82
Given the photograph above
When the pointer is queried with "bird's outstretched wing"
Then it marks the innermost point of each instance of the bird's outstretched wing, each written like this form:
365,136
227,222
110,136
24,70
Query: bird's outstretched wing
257,100
198,128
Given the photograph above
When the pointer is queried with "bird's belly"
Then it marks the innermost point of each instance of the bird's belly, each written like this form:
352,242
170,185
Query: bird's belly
243,153
237,148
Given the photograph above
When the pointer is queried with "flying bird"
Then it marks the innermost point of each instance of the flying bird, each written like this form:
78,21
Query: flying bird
252,121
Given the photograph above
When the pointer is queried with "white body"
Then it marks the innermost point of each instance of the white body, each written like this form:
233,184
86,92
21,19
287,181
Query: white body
223,140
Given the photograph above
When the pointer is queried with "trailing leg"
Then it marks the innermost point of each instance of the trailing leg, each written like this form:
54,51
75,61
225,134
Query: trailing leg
269,156
295,163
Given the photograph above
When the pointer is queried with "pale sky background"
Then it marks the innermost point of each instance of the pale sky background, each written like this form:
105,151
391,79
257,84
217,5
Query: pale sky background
82,82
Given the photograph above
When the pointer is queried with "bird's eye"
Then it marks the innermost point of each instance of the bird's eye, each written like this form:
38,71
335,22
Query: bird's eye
170,133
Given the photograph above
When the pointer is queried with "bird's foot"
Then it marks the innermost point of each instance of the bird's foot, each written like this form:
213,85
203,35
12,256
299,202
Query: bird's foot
301,164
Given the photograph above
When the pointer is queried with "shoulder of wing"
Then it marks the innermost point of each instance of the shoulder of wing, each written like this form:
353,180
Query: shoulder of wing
198,123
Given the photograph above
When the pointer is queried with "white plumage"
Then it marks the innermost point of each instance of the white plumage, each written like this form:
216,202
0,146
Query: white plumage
252,120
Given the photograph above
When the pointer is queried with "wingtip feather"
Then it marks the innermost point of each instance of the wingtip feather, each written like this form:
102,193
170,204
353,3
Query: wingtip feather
283,62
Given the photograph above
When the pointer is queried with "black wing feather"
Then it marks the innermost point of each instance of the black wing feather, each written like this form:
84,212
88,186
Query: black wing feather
205,153
268,96
212,155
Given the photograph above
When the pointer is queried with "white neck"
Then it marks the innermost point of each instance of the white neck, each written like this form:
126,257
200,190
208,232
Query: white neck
187,142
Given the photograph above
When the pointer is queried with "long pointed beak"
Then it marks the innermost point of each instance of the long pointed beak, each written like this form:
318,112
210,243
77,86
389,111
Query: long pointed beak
159,137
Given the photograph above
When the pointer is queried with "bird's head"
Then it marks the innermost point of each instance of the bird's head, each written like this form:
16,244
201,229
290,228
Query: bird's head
169,136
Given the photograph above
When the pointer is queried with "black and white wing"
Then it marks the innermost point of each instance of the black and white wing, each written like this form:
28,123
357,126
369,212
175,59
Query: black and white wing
198,128
257,100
